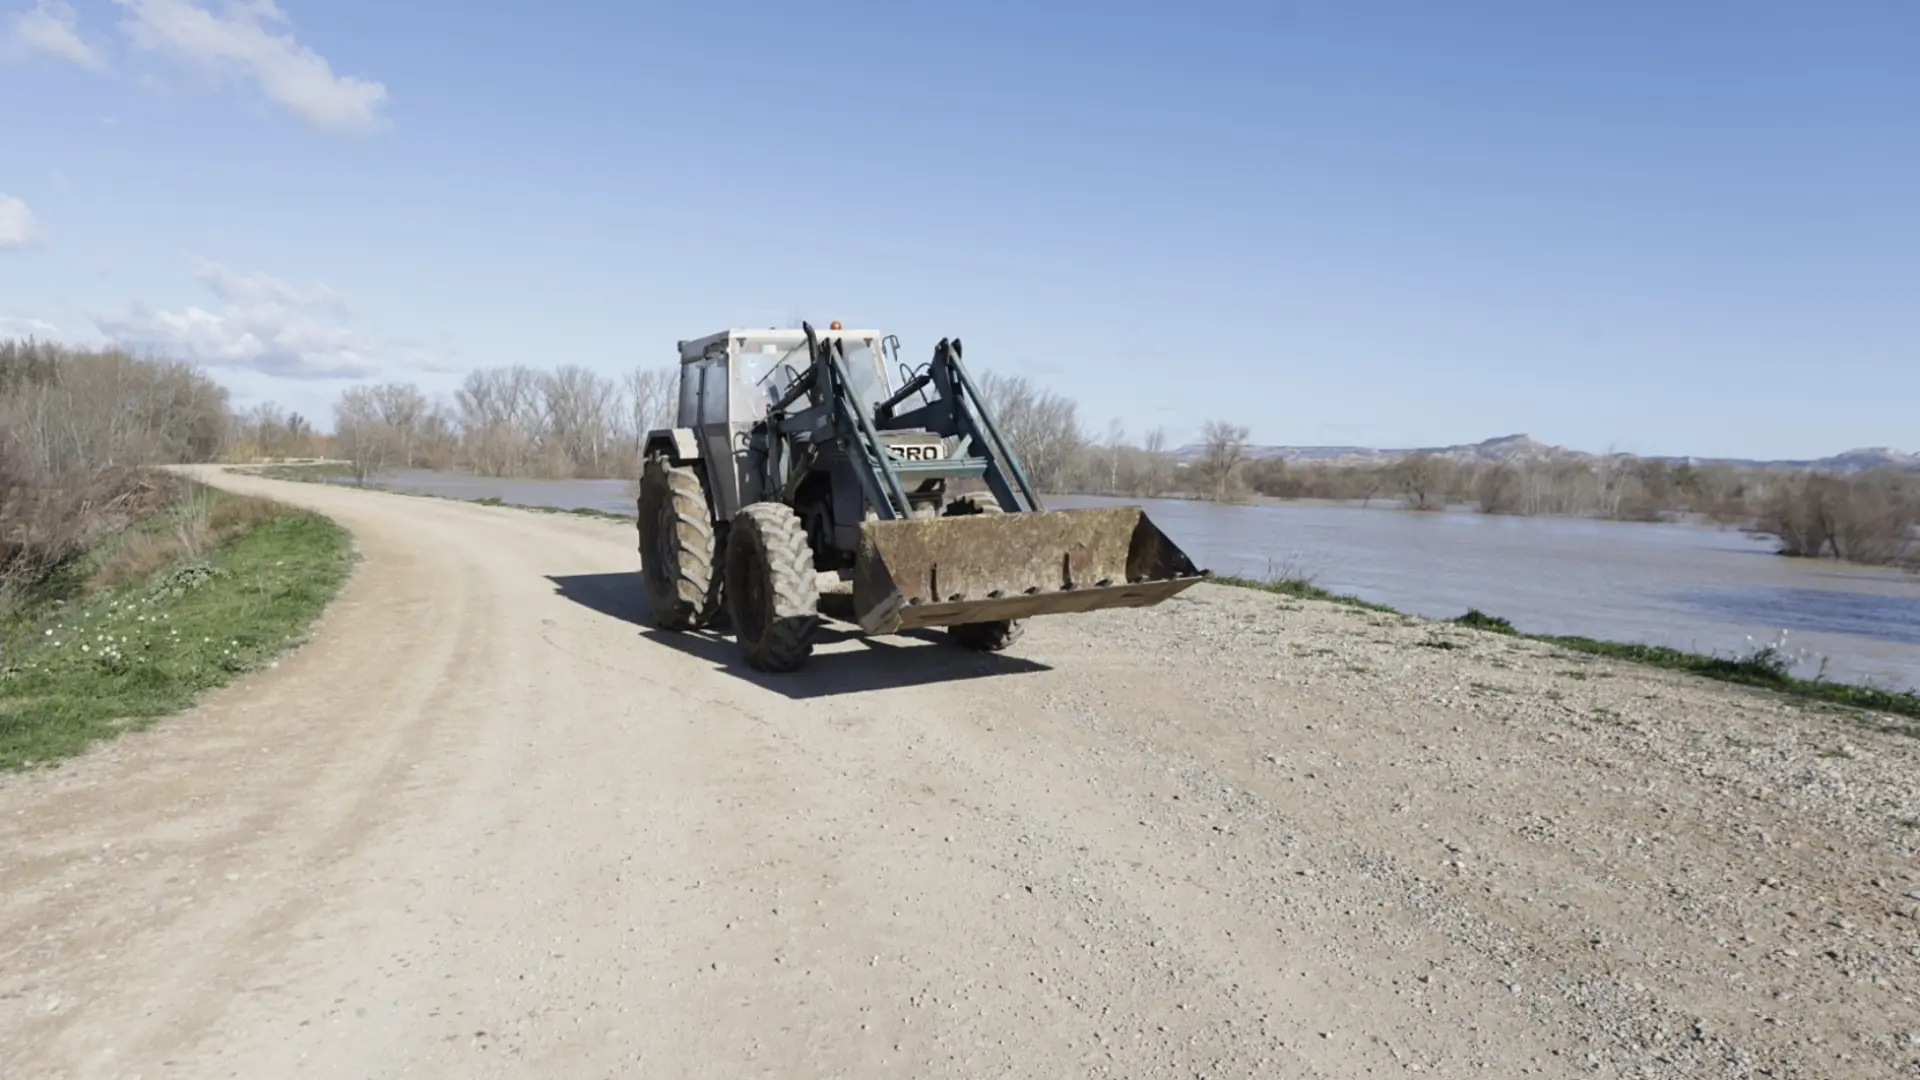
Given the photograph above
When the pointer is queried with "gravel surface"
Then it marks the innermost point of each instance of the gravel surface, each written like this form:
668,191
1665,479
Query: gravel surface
490,823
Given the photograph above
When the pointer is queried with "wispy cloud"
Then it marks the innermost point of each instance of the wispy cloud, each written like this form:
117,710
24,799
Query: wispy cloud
17,227
50,28
254,291
14,326
260,323
248,42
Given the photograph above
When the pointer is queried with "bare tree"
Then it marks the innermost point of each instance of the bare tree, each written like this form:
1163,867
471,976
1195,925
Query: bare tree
1225,451
1497,489
266,430
582,416
361,434
1043,427
404,414
1116,448
653,394
1157,467
1421,477
501,417
1867,519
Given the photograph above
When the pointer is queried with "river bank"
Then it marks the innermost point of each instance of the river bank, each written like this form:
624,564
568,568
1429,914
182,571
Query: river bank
1699,589
1773,661
1767,667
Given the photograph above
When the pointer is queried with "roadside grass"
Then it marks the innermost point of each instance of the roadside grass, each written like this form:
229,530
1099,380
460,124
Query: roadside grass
214,586
569,511
1301,589
1765,668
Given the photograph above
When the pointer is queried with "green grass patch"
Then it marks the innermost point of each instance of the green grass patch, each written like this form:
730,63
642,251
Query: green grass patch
105,658
1764,668
569,511
1475,619
1302,589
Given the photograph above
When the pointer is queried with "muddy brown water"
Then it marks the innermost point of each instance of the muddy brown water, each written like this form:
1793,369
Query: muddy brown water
1696,587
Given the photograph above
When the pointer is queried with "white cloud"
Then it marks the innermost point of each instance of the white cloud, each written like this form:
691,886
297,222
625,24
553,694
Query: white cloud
415,358
17,227
262,290
262,324
241,43
13,326
50,29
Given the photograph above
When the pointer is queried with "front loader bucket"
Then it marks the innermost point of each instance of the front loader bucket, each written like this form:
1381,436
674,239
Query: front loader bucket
944,571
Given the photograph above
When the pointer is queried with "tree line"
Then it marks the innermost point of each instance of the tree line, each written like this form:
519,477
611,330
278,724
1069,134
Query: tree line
1867,517
78,426
573,422
512,421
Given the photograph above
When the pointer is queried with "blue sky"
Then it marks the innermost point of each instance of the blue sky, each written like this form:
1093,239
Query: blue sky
1663,228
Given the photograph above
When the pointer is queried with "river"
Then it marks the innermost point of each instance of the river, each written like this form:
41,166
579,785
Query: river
1693,587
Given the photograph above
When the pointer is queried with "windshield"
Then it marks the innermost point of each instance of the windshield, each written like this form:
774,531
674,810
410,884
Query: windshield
771,366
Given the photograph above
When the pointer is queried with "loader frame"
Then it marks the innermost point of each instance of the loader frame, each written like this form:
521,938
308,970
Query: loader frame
957,411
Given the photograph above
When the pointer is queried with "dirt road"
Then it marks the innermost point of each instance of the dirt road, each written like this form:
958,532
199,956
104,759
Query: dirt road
489,823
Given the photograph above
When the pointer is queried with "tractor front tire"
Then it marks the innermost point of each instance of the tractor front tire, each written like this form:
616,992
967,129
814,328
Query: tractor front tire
773,597
678,556
996,634
990,636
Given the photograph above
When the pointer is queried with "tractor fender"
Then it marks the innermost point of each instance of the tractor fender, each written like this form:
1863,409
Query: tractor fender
679,444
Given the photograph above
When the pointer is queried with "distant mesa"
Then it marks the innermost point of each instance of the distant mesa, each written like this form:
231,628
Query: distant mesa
1524,449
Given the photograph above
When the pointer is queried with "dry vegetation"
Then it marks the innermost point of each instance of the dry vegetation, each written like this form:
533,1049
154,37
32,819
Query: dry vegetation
1867,517
505,421
76,429
127,590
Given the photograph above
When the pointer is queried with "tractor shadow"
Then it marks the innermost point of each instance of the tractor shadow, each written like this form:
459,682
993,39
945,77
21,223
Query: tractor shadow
872,664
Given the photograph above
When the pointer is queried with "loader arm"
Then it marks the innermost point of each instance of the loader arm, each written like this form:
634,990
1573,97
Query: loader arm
958,409
827,388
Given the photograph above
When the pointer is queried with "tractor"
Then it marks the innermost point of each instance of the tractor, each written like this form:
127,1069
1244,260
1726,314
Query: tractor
794,460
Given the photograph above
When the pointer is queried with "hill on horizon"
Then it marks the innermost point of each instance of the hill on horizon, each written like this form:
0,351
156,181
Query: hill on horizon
1524,449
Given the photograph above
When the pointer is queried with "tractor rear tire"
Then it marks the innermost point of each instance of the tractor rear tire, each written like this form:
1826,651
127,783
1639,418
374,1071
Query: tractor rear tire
773,597
997,634
678,554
